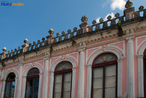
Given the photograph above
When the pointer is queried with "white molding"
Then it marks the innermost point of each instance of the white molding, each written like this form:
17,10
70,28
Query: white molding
61,60
89,71
123,51
30,67
136,43
53,61
76,59
87,57
140,70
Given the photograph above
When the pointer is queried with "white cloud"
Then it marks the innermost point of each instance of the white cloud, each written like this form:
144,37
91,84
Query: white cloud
112,16
97,20
120,4
105,3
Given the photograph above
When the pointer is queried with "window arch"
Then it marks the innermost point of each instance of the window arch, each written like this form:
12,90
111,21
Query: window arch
104,76
10,86
32,83
63,80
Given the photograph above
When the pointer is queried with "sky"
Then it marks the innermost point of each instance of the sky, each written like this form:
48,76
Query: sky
36,17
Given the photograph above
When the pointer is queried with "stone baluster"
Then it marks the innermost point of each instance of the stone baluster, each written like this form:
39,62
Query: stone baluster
97,27
50,38
3,55
24,47
84,25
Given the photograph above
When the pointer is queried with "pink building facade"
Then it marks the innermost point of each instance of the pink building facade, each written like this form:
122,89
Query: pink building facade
98,61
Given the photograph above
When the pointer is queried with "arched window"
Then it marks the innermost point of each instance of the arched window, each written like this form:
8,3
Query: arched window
32,84
144,59
10,86
104,76
63,80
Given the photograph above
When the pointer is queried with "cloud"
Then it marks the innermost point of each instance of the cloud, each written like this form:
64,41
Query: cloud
120,4
112,16
105,3
97,20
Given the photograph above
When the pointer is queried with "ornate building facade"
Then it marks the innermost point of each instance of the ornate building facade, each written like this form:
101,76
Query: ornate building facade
104,60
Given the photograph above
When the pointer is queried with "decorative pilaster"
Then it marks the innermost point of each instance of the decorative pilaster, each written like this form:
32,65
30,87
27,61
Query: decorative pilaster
51,84
130,88
119,92
89,78
20,78
24,87
3,88
45,82
140,76
40,82
81,75
73,82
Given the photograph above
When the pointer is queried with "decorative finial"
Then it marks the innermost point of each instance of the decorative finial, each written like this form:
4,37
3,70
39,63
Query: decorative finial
84,19
128,4
26,41
51,31
4,49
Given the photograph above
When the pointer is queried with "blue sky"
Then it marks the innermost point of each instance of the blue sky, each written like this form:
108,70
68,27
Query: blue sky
36,17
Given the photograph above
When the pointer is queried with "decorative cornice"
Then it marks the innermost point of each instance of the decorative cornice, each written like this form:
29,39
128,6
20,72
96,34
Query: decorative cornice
139,30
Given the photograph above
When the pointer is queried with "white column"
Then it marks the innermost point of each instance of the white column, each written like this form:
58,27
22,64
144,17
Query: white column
119,85
24,87
73,82
3,88
130,87
80,93
140,76
40,82
45,83
89,78
51,84
19,81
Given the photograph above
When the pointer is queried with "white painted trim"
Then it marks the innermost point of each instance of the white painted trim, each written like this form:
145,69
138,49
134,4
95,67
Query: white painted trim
89,71
87,57
61,60
30,67
123,51
140,70
54,61
24,86
136,43
51,84
76,59
40,86
73,82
